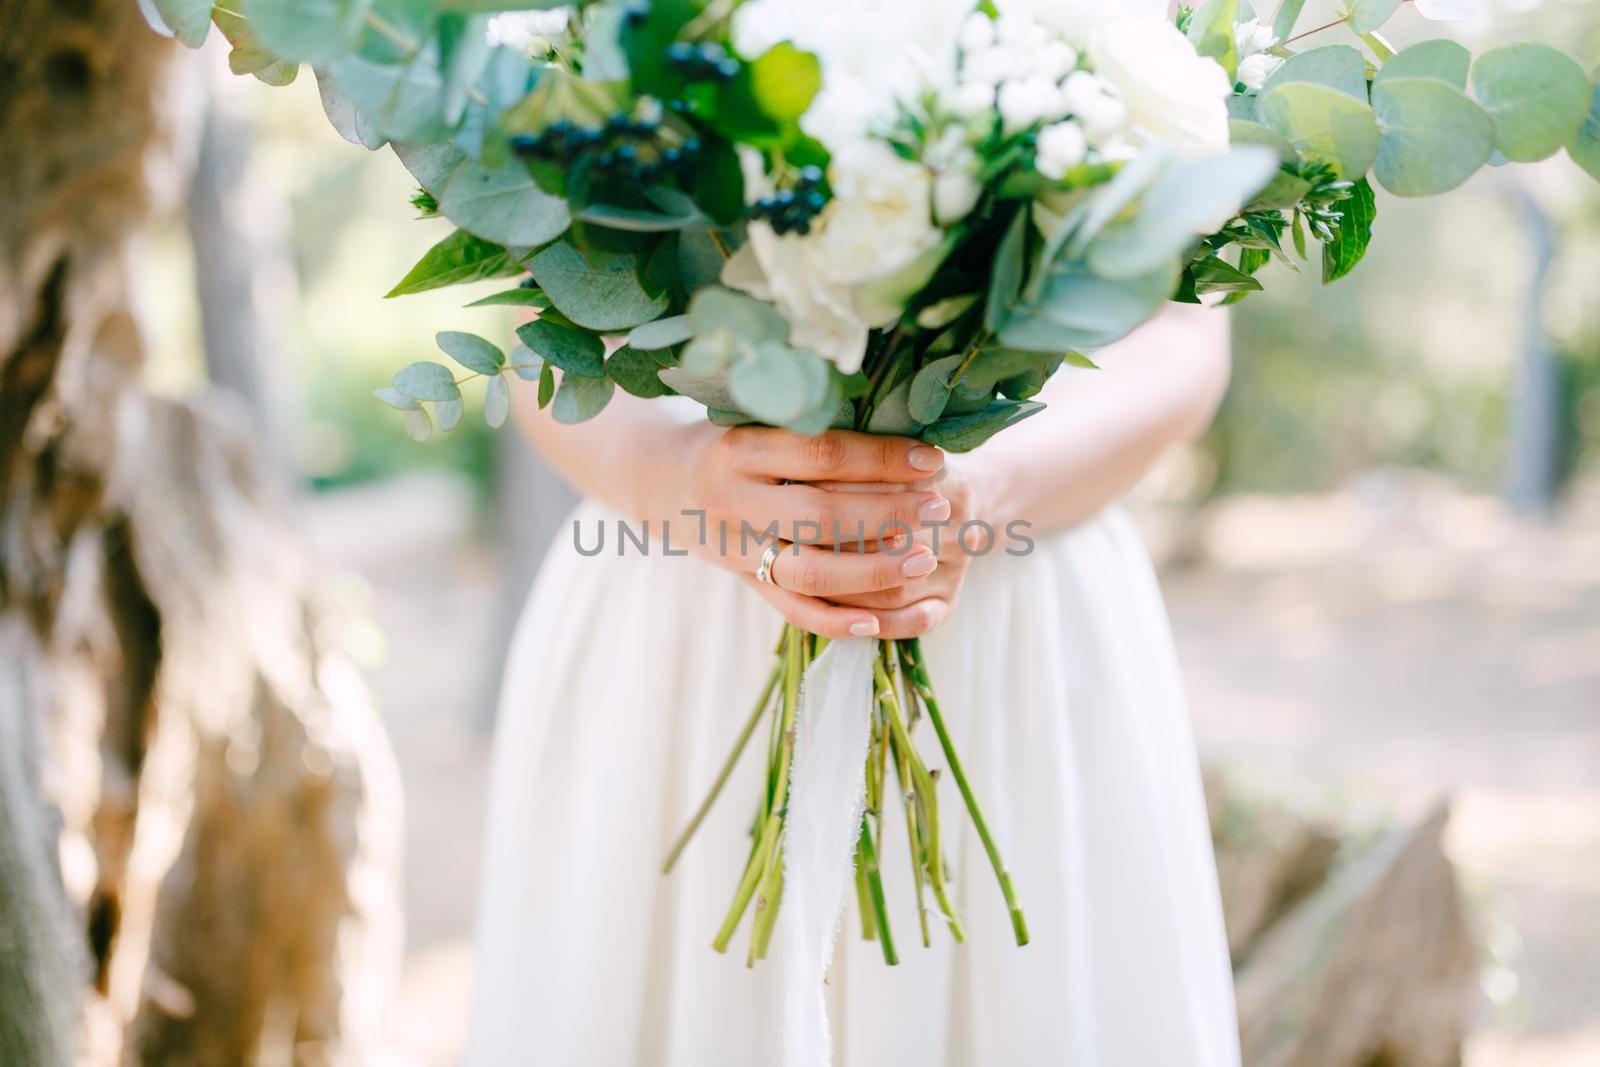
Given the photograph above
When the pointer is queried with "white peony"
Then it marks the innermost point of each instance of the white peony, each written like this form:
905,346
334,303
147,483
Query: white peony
1173,94
1076,20
1061,147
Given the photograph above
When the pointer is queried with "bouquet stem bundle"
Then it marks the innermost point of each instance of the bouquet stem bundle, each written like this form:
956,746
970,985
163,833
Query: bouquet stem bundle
902,696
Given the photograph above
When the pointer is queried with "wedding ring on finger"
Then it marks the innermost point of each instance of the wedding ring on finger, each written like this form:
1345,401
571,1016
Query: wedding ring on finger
764,572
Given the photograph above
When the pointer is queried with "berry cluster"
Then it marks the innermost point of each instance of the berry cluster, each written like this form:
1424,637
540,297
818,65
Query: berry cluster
704,62
624,146
792,210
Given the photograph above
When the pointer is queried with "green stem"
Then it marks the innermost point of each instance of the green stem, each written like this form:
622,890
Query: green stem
765,842
880,909
911,658
727,769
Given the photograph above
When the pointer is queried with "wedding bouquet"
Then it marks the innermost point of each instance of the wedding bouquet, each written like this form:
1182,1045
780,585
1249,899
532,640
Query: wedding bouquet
899,217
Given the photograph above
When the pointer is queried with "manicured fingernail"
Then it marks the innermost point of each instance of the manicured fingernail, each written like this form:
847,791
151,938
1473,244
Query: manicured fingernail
935,510
926,458
864,628
917,565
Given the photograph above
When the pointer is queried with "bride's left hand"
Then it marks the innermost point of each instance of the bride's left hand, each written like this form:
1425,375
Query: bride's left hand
913,609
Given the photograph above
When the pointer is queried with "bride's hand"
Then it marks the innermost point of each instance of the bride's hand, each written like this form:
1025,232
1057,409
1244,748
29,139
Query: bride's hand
914,607
738,478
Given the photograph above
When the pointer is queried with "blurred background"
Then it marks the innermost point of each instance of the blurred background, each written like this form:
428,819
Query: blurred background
1382,563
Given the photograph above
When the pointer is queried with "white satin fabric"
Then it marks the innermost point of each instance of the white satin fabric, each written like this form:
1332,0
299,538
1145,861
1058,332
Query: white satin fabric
629,679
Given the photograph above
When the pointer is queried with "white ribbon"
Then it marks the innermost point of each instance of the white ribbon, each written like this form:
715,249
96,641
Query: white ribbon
827,794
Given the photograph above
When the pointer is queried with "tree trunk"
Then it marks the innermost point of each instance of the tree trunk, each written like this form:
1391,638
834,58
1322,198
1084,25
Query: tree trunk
198,809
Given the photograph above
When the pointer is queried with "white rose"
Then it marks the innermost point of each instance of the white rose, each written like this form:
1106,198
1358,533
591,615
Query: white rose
1172,94
1023,103
1076,20
1061,147
990,66
977,32
1255,70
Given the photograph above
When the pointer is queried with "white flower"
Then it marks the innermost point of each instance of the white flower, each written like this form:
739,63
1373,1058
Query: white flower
969,99
977,32
1076,20
529,31
1055,60
1061,147
1023,103
991,66
1020,31
1255,70
1172,94
1096,104
955,193
1252,36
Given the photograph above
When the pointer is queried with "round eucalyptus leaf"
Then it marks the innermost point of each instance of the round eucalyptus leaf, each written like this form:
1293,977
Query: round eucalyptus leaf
716,309
603,294
771,383
418,424
448,413
662,333
930,388
312,31
471,351
189,20
1324,124
892,413
1078,309
497,401
1338,66
580,397
1369,15
505,205
708,389
402,100
1585,147
1537,95
396,399
1434,138
427,381
1445,60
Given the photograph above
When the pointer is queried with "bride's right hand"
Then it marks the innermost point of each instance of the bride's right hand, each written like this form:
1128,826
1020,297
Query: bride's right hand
749,479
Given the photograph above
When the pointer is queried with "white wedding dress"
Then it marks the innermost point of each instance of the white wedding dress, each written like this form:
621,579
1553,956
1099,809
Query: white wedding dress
628,681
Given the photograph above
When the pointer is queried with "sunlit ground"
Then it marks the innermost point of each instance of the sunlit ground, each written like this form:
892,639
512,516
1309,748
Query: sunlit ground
1370,650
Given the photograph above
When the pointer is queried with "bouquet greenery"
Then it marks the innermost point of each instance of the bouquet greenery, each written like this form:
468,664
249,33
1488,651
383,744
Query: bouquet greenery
898,217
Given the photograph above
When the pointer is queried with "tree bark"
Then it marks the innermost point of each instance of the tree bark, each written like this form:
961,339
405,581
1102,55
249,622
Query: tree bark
198,809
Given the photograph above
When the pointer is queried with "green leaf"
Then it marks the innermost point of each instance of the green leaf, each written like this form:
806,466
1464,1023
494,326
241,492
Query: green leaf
403,100
963,433
1213,274
547,384
1191,198
1324,124
426,381
1338,66
930,388
1368,15
1283,22
1434,138
471,351
1353,236
464,46
448,413
1211,32
715,309
518,297
1585,147
581,397
419,426
603,296
1078,309
773,383
719,183
525,363
432,164
1005,280
395,399
1538,97
768,94
310,31
1442,59
662,333
458,258
341,111
892,413
995,365
497,401
708,389
504,205
189,20
574,351
635,371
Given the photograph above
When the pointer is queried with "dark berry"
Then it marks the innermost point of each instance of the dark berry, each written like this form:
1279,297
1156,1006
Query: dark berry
726,68
606,160
814,202
526,144
691,147
681,53
625,153
810,176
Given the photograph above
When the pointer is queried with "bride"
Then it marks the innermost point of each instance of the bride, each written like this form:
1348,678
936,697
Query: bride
631,673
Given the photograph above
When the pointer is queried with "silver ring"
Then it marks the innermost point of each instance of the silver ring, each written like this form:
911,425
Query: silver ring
764,572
